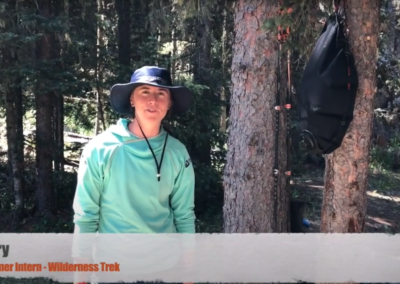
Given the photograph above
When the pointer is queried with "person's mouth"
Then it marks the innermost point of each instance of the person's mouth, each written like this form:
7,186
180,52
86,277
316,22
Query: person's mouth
151,110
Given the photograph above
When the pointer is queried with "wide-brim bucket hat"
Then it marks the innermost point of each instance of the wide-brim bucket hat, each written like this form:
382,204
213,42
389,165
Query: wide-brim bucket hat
149,75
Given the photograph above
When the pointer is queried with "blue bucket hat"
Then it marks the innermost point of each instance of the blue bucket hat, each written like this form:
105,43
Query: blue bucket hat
149,75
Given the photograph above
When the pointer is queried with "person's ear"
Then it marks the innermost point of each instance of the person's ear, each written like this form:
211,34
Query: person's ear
131,100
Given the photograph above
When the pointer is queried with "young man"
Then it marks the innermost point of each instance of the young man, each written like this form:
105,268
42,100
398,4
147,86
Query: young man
135,177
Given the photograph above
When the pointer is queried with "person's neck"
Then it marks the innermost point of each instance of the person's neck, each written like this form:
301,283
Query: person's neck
148,130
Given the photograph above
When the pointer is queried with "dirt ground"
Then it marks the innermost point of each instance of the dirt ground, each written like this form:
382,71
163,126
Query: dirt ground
383,207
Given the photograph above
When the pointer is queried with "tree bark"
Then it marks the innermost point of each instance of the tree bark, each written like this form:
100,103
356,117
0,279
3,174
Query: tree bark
226,51
18,157
15,142
174,53
14,114
59,132
123,8
100,119
202,75
61,9
248,178
11,119
44,97
140,34
345,199
394,9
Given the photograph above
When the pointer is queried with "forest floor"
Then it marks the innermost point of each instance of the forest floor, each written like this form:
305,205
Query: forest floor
383,200
383,210
383,207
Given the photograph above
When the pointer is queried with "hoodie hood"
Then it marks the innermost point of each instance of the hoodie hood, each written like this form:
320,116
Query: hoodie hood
133,143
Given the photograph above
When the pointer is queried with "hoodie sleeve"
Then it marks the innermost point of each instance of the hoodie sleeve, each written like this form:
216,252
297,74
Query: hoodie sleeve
87,195
182,197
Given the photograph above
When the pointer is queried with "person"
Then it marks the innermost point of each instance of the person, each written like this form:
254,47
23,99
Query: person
135,177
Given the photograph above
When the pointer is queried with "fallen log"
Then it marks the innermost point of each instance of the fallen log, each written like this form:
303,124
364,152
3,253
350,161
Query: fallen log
74,100
75,135
71,163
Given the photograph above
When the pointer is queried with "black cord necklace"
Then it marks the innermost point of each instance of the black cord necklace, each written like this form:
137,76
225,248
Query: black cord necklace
154,156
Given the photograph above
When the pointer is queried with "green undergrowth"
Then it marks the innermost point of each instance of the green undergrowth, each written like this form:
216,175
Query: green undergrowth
383,178
210,222
386,158
384,181
385,166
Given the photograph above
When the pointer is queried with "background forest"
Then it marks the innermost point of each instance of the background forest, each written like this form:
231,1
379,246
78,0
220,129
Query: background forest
59,59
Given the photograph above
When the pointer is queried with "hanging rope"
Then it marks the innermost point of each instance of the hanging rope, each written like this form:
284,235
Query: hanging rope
288,107
277,111
336,5
282,36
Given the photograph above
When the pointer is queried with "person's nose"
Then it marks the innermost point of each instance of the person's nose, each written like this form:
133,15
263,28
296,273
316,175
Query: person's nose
153,98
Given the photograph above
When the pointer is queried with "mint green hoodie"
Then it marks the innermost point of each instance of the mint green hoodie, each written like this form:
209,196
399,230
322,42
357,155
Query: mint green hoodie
118,190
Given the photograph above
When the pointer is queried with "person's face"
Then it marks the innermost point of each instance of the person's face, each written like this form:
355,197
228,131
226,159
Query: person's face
151,103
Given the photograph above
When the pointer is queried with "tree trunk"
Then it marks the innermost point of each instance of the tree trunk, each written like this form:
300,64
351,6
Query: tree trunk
58,98
388,53
100,67
15,143
249,180
202,75
14,114
59,132
224,40
345,199
226,52
389,43
11,119
123,10
44,112
394,9
18,157
174,53
140,34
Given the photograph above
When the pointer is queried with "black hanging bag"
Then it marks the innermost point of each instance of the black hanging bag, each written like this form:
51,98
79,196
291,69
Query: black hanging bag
327,93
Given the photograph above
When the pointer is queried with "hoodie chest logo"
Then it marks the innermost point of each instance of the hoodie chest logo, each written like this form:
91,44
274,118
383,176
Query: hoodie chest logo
187,163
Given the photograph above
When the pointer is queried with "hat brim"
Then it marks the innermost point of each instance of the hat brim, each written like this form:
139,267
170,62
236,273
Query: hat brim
120,97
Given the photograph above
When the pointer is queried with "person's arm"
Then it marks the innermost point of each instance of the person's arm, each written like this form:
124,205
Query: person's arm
182,197
182,203
86,203
86,208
